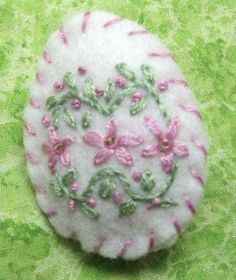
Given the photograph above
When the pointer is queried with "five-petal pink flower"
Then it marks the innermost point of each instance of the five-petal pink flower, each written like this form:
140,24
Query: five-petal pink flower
57,149
112,143
167,145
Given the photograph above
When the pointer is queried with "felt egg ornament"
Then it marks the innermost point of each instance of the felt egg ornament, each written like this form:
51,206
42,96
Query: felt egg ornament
115,144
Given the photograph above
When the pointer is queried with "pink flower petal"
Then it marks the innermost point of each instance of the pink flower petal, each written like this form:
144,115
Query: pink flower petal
111,128
149,151
153,126
93,139
130,140
53,135
123,156
173,128
53,159
47,148
65,158
180,150
166,162
102,156
68,141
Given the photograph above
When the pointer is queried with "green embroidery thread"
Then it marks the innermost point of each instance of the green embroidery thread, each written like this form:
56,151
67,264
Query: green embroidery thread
113,99
86,120
108,179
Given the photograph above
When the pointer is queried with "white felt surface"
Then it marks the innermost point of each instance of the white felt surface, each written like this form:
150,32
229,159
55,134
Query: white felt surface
99,50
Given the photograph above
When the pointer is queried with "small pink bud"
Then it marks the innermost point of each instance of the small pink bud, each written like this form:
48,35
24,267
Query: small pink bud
72,204
137,96
82,71
99,92
75,104
74,187
137,175
117,197
120,82
91,202
155,202
58,87
163,86
45,121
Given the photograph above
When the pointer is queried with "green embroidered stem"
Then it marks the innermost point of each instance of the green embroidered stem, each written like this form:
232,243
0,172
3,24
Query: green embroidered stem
109,91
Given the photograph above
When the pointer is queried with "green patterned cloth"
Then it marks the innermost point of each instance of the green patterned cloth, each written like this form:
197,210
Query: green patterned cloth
200,34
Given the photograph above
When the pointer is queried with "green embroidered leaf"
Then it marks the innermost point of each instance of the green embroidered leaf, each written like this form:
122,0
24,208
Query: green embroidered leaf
137,107
106,188
90,212
127,208
69,177
86,120
148,73
147,181
51,102
69,79
56,187
123,69
89,92
69,118
109,91
55,117
167,202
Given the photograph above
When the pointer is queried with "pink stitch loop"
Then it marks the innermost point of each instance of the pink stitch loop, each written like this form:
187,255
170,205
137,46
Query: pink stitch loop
45,121
91,202
117,197
138,32
111,22
151,242
47,57
85,21
137,175
125,247
30,129
35,104
189,204
58,87
99,245
99,92
82,70
191,109
160,54
32,158
63,35
177,226
199,145
197,176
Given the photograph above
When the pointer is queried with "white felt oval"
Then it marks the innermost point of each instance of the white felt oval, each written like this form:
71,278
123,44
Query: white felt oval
91,45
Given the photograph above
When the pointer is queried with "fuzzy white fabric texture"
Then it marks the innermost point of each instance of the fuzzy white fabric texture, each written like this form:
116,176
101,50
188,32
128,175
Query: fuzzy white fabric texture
115,223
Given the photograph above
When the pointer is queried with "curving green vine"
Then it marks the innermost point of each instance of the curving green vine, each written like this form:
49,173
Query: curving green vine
108,179
87,95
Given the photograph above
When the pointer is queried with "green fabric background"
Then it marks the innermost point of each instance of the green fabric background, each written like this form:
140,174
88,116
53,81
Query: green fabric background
201,36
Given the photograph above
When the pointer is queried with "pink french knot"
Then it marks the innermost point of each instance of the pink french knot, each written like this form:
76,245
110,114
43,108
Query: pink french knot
137,96
155,202
199,145
137,175
191,109
30,129
167,146
188,202
45,121
57,149
151,242
164,85
58,87
91,202
74,186
120,82
111,143
138,32
196,175
85,21
160,54
125,247
40,78
117,197
177,225
72,204
63,35
99,245
99,92
75,104
47,57
32,158
82,70
112,21
35,104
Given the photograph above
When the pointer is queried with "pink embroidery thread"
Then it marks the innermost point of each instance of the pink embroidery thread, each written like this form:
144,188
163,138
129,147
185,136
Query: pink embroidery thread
137,96
151,242
125,247
191,109
111,144
58,87
164,85
117,197
56,149
30,129
137,175
63,35
197,176
72,204
138,32
160,54
32,158
155,202
199,145
74,186
47,57
167,145
177,226
99,92
35,104
111,22
75,104
45,121
85,21
189,204
120,82
91,202
82,71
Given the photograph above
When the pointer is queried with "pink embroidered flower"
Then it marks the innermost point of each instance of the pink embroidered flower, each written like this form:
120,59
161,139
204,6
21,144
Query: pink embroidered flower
111,144
167,145
57,149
